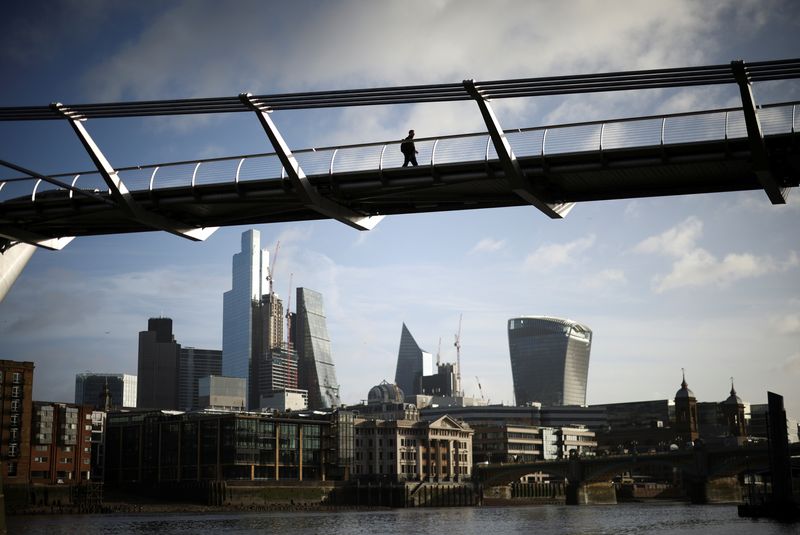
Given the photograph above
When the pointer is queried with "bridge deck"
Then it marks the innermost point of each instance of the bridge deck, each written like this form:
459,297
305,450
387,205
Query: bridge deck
691,153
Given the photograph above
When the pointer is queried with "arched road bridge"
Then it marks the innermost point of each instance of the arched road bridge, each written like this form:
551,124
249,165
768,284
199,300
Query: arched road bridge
699,467
550,167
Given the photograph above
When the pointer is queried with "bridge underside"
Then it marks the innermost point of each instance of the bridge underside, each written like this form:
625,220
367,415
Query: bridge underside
704,167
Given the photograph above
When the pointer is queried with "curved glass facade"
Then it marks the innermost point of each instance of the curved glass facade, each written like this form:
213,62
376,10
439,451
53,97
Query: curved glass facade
549,360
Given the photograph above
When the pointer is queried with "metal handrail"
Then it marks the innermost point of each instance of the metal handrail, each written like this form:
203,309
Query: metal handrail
594,140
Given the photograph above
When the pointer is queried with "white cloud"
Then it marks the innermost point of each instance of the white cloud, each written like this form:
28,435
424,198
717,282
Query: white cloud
552,255
488,245
607,278
789,324
677,241
792,364
695,266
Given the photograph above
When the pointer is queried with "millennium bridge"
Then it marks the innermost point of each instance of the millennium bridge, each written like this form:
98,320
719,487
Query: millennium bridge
552,167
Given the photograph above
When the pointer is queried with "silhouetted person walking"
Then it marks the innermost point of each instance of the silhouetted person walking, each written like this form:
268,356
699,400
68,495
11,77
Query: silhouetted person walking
409,150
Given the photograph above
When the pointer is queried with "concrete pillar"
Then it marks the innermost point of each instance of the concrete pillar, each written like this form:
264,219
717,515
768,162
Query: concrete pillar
602,493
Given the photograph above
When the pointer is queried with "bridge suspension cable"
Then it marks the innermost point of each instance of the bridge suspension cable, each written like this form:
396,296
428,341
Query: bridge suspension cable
493,89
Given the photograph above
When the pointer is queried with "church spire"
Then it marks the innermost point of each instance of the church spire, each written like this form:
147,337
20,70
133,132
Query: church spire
733,390
683,383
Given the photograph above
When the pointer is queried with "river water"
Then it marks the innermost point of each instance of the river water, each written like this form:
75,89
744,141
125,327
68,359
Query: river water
623,519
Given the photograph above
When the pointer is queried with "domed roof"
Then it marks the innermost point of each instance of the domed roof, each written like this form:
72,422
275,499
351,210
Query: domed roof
385,393
733,399
684,392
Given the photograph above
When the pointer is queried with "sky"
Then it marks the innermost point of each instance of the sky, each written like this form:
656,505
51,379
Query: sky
709,283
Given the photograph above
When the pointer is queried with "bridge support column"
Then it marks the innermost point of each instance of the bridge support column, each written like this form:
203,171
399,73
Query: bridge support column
119,192
308,194
758,151
513,171
13,259
586,493
716,490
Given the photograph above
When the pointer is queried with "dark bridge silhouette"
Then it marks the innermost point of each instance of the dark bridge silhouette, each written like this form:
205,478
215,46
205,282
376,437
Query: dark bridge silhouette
698,467
550,167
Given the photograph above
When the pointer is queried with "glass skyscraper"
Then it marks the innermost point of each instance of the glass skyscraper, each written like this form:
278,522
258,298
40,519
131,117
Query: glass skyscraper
315,364
89,387
194,364
412,363
549,360
248,285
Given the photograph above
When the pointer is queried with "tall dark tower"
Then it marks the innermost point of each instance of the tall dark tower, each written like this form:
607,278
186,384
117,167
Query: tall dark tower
158,366
686,412
733,412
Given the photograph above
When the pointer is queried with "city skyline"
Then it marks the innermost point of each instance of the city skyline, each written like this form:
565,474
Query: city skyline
707,282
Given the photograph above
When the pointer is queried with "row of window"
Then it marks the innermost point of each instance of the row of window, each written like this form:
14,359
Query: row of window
16,377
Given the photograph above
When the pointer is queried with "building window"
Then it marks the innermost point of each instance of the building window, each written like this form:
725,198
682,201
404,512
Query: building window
16,391
15,405
40,459
12,466
16,377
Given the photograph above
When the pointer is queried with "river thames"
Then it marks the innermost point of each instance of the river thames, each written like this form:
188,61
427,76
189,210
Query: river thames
623,519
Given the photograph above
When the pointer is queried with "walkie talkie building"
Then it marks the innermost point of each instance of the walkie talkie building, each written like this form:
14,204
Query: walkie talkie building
549,360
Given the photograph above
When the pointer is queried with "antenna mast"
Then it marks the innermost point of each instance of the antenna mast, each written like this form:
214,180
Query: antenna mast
439,354
458,356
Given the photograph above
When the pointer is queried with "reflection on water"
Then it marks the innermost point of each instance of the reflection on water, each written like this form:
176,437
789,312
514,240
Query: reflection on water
623,519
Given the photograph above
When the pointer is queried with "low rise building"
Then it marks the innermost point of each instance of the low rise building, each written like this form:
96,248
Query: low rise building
169,446
16,404
61,443
405,450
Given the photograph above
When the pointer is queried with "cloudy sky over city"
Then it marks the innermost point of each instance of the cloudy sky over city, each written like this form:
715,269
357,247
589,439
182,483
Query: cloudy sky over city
709,283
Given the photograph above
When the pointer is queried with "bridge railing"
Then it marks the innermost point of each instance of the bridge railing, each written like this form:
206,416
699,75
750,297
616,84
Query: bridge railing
597,136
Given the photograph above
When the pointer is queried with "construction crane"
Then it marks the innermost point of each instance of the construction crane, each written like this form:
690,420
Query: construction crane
289,314
480,389
271,269
458,356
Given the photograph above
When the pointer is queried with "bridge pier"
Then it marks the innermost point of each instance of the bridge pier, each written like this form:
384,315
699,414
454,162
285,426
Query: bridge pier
586,493
716,490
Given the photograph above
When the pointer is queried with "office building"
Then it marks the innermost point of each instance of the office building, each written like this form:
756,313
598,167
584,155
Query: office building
316,372
16,390
412,364
193,364
252,319
151,447
158,366
89,389
514,443
278,370
285,399
443,383
549,360
224,393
